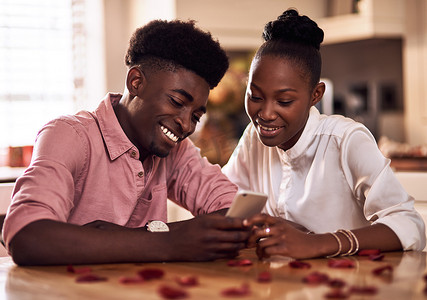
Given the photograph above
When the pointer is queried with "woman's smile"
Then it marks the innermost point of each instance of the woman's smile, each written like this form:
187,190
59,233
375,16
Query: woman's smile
268,131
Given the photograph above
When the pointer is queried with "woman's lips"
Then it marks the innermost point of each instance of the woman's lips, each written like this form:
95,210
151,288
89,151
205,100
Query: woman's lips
268,131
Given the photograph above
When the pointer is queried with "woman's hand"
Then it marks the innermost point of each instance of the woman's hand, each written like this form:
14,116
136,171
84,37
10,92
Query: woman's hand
277,236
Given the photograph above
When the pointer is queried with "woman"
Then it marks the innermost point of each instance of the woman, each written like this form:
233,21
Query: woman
324,174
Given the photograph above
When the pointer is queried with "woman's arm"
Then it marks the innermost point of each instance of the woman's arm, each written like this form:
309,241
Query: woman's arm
276,236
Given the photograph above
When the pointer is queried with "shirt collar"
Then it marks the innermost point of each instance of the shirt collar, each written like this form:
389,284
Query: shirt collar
306,137
114,137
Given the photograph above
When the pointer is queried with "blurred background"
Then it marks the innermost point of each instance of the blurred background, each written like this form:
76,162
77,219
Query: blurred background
61,56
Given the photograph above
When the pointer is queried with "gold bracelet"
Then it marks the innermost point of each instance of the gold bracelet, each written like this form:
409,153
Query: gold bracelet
339,245
350,239
356,241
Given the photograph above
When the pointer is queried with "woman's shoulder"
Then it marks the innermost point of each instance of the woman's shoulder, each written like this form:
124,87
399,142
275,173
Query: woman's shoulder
339,126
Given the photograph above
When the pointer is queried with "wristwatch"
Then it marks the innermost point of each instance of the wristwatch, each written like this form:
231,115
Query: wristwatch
157,226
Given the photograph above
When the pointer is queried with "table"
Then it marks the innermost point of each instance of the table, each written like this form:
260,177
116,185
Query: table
54,282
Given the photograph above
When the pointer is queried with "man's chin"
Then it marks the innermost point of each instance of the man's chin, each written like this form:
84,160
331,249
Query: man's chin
160,152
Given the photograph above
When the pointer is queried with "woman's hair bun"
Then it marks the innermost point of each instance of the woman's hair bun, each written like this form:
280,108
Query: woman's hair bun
291,27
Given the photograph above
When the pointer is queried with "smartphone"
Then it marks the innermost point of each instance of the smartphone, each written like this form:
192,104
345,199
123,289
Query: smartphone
246,204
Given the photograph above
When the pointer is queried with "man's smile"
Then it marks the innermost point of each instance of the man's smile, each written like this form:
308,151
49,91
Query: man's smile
169,134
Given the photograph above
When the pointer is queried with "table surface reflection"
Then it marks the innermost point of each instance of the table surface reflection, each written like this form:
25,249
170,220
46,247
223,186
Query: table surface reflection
406,281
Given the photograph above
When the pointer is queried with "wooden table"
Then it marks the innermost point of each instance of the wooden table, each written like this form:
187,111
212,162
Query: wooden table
407,280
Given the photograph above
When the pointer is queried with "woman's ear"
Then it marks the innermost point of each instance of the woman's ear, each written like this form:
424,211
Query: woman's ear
134,80
318,92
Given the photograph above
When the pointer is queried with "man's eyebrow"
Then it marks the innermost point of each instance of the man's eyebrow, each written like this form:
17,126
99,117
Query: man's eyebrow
184,93
189,97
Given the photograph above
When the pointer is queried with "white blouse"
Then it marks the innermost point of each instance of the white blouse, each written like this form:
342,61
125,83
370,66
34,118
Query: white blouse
334,177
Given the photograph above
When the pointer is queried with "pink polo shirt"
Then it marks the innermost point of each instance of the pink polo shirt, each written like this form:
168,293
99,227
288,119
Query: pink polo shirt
84,168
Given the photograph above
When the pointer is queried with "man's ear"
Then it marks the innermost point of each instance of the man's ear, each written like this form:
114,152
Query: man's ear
134,80
318,92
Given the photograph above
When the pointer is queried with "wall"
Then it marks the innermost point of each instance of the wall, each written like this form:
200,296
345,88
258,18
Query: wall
415,72
375,63
238,25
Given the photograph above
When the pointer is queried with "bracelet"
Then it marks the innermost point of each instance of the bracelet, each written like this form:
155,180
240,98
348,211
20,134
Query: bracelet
350,239
356,241
339,246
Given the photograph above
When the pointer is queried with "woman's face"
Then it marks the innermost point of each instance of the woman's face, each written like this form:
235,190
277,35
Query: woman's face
278,100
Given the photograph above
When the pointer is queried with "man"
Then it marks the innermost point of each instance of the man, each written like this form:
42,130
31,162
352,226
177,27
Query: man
97,179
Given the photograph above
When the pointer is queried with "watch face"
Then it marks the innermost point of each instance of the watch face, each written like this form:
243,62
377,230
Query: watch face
157,226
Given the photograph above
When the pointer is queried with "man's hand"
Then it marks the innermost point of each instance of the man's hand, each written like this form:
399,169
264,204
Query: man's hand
207,237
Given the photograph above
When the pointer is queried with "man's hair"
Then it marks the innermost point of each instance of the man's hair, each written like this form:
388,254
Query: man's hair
173,44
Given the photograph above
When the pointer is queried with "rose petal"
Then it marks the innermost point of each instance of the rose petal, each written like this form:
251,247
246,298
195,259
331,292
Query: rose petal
151,273
239,263
341,263
336,294
243,290
367,252
187,281
382,270
169,292
336,283
316,278
296,264
80,270
90,278
378,257
363,290
264,277
131,280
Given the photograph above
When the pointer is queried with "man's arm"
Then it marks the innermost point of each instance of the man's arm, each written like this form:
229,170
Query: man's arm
207,237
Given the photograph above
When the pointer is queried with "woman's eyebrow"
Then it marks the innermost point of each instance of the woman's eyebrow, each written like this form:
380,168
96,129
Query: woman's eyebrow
277,91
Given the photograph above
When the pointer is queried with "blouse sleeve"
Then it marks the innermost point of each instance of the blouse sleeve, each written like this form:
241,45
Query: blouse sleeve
378,191
237,167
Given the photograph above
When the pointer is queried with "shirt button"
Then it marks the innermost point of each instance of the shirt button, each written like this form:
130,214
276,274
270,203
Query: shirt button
140,174
133,154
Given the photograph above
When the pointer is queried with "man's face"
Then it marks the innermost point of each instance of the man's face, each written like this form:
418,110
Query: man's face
166,109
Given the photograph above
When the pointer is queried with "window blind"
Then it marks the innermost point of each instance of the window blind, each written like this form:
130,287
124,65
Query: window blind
37,65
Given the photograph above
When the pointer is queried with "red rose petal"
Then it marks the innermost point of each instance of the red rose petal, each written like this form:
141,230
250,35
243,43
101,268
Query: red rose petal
340,263
80,270
378,257
239,263
296,264
367,252
316,278
131,280
264,277
90,278
151,273
363,290
169,292
336,283
336,294
187,281
243,290
381,270
245,262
